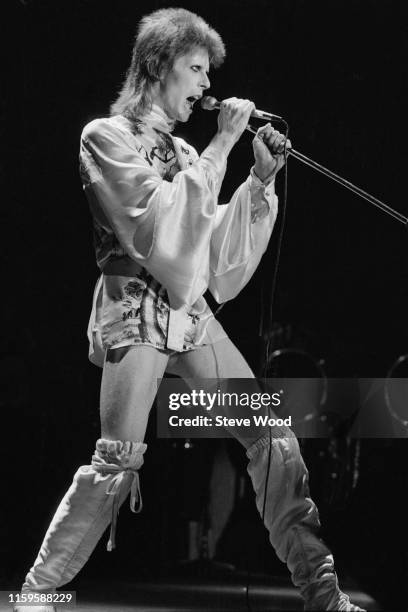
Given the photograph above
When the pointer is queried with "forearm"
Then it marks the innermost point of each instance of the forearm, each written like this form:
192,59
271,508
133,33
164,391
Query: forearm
215,155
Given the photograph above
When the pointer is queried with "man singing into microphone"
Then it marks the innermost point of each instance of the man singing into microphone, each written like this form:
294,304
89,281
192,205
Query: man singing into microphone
161,241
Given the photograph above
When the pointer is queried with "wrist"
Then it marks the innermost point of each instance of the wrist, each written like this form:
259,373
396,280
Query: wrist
265,175
224,141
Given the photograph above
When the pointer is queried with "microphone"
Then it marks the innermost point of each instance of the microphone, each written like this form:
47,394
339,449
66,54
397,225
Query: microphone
210,103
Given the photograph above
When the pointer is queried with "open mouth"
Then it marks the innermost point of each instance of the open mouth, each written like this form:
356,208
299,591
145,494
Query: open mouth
192,99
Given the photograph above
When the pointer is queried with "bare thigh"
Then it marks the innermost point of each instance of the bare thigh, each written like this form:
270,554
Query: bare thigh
219,360
128,389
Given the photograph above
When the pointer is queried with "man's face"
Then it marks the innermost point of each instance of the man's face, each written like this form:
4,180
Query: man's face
184,84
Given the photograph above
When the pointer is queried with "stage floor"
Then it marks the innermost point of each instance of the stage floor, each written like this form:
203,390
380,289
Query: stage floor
266,594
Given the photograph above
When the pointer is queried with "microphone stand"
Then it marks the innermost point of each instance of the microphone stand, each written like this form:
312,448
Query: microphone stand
335,177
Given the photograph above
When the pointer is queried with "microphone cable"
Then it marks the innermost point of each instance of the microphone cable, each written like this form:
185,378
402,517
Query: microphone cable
270,313
268,327
271,304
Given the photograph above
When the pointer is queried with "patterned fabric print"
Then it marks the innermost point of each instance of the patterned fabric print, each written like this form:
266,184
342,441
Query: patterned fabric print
259,212
191,332
105,243
146,300
145,154
166,154
187,153
138,310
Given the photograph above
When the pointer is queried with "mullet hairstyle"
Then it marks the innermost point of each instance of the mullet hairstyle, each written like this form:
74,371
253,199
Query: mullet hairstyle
161,38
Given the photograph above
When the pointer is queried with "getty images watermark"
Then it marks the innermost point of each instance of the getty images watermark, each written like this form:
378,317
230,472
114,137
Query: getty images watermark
206,400
225,402
216,408
312,408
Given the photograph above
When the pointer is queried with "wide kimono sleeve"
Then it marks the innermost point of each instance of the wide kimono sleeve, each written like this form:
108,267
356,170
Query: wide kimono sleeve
164,226
240,236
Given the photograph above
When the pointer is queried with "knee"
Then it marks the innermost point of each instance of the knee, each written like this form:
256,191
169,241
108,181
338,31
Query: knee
280,447
289,447
278,437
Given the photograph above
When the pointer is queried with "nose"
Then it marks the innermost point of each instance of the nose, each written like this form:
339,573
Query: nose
205,81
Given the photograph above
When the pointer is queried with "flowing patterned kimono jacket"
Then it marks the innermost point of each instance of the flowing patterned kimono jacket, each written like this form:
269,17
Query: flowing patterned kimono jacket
161,239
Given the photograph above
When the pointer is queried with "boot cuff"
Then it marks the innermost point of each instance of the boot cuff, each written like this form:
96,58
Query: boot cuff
275,433
128,455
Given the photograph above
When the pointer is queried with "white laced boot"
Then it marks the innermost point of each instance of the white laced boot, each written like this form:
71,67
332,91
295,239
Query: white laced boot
91,503
292,519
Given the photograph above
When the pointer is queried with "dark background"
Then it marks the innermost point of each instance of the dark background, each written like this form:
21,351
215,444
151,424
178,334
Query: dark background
337,71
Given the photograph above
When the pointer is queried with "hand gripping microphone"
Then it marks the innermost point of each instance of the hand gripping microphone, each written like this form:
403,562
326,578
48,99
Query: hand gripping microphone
210,103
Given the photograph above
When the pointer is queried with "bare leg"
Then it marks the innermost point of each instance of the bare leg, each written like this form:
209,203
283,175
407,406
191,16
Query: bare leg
219,360
98,490
129,385
280,480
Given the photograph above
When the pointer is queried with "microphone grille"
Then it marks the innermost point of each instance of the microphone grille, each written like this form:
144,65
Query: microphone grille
209,103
